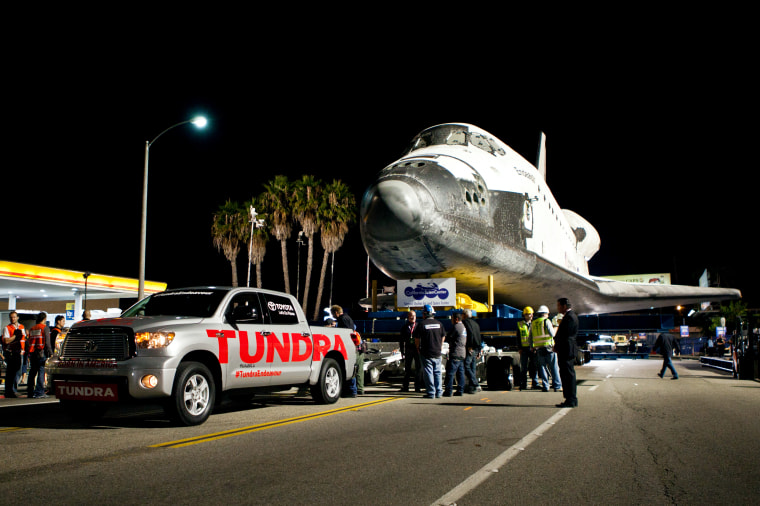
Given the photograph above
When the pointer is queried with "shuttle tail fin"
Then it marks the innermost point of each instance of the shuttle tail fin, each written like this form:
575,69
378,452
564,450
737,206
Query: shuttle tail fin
541,164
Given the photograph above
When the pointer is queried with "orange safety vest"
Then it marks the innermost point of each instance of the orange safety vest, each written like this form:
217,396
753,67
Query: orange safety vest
11,329
37,337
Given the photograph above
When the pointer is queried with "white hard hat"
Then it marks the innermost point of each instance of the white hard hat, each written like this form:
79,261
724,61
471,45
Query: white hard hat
543,309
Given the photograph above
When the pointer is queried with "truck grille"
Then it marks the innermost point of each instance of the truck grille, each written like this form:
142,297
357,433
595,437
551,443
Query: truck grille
98,343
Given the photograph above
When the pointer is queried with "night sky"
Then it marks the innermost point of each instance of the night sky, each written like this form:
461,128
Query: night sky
650,149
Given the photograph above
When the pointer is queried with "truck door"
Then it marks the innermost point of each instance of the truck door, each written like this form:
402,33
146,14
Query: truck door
289,341
247,354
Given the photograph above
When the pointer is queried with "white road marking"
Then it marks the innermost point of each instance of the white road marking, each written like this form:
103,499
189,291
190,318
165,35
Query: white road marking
496,464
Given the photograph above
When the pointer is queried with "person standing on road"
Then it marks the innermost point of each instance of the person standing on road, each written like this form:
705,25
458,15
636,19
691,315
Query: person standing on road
14,338
543,340
665,345
343,321
38,350
410,353
473,351
430,342
60,323
566,347
527,350
457,350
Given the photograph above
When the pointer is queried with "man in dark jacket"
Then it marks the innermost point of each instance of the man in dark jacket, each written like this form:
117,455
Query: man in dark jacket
410,353
429,341
473,351
343,321
665,345
566,347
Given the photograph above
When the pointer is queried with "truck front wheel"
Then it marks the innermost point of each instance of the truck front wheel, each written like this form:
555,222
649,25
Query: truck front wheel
327,390
193,394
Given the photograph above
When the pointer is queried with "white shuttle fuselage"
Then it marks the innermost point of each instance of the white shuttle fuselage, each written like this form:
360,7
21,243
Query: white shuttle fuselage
463,204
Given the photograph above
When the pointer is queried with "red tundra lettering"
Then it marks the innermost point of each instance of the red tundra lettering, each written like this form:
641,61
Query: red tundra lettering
301,346
245,355
339,346
297,339
273,344
321,346
222,335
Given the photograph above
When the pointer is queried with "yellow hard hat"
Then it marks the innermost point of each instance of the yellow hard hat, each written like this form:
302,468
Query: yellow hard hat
528,310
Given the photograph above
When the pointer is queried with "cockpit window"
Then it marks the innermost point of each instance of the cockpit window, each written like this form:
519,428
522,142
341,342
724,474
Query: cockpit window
452,135
455,135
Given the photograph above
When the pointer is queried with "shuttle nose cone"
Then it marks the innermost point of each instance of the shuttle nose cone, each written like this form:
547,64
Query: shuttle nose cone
391,211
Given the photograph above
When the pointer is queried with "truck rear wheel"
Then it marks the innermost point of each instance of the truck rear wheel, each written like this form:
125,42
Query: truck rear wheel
193,394
328,388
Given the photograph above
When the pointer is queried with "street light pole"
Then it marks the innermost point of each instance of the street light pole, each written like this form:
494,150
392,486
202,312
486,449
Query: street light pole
199,122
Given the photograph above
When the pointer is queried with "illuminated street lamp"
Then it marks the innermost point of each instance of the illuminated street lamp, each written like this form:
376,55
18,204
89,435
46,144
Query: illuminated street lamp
199,122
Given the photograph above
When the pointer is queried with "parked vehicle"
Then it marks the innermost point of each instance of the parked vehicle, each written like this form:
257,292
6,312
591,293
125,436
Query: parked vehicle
187,347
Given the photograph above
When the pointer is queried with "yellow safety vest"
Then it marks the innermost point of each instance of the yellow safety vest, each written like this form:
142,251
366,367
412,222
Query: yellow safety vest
541,337
522,327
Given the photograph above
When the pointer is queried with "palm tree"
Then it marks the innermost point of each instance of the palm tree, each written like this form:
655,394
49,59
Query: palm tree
257,243
306,202
228,231
277,201
337,211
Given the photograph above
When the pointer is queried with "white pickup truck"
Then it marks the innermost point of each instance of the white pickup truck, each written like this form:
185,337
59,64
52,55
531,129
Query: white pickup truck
187,347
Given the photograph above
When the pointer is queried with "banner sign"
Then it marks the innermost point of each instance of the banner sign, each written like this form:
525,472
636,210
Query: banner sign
418,292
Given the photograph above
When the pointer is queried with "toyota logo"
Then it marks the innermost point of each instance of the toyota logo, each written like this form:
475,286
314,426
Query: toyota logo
90,346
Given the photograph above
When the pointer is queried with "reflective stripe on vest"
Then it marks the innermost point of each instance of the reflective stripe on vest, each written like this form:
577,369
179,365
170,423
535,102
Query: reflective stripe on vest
541,338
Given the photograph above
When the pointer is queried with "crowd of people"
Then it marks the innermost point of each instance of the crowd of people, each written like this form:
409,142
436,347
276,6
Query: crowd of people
25,354
545,352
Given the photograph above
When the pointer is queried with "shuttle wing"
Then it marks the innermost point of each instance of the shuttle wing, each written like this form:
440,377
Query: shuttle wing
614,296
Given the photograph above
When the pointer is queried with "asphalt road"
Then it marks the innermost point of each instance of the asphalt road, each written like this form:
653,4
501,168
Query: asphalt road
634,439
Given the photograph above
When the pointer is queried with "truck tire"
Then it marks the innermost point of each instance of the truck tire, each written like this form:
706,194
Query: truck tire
372,376
328,388
506,363
193,394
495,375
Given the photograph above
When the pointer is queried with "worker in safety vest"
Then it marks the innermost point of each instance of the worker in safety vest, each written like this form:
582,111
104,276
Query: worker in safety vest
527,351
14,340
543,339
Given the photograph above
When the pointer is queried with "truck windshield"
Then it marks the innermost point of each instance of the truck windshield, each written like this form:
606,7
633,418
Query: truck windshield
199,303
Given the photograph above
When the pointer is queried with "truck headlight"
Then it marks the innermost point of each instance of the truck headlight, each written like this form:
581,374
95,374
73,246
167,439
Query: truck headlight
153,339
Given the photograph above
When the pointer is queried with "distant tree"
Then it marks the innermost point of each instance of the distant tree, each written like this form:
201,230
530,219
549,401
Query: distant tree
733,311
257,244
277,200
306,202
337,211
228,230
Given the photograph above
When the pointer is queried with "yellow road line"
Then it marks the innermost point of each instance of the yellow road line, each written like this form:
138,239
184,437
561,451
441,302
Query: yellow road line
11,429
268,425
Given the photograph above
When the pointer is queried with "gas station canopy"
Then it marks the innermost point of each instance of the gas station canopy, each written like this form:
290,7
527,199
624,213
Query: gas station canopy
34,283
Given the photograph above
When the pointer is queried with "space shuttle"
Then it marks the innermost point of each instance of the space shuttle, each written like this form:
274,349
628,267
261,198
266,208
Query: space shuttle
462,204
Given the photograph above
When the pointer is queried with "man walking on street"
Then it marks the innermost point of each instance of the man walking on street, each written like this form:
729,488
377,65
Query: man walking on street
665,345
566,348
